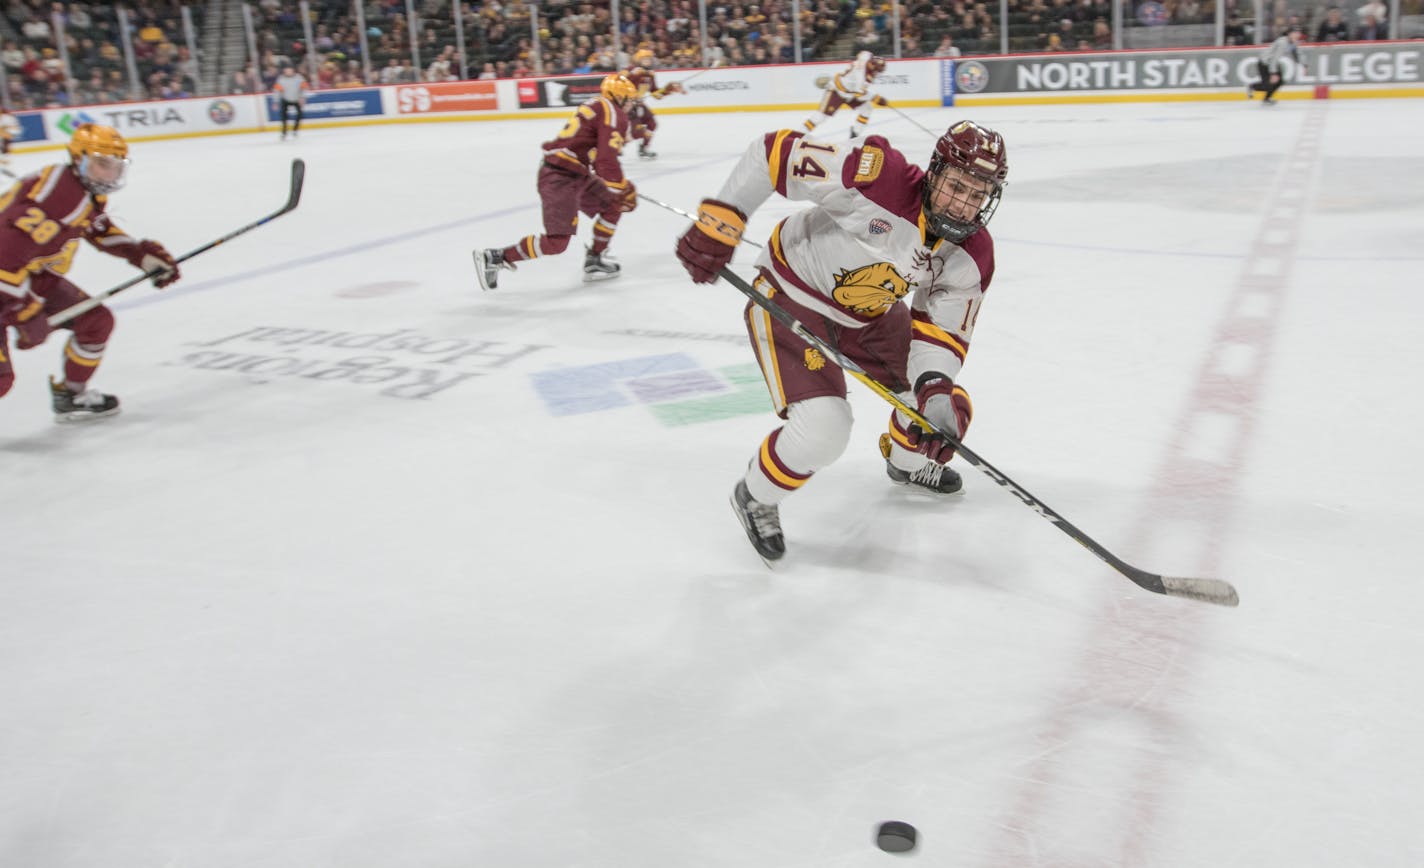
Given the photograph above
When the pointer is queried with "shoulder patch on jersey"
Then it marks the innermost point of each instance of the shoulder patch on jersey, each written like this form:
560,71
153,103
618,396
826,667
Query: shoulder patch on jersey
872,160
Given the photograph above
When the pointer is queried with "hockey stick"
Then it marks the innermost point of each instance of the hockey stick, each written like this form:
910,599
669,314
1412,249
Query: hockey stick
926,129
684,81
693,217
1205,590
294,195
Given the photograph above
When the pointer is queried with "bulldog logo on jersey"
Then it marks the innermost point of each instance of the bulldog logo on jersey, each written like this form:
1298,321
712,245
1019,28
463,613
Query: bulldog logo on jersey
872,289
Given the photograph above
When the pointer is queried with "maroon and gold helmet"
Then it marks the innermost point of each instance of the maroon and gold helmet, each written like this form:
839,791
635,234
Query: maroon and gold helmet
617,87
966,177
875,65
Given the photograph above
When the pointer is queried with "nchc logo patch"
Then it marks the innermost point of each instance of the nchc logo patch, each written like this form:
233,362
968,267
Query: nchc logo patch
674,388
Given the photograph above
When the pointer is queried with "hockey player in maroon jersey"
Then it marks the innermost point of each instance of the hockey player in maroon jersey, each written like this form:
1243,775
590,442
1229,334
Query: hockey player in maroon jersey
881,230
850,88
42,218
581,173
640,115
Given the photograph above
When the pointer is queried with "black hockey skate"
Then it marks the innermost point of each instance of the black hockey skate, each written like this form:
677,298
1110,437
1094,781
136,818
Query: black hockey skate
487,265
646,154
762,523
72,406
599,266
932,478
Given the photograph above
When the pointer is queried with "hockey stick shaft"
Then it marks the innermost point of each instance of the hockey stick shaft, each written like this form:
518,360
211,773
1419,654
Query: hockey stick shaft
926,129
294,195
690,216
1205,590
684,81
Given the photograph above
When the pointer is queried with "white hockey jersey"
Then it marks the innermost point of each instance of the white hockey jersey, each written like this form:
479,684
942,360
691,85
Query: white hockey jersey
852,83
864,246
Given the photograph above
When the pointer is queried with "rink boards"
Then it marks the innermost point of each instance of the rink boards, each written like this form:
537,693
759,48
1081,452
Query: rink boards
1345,70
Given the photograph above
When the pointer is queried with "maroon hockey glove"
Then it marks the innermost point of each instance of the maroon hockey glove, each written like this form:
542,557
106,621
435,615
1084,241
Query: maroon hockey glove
154,258
707,246
945,406
629,200
32,324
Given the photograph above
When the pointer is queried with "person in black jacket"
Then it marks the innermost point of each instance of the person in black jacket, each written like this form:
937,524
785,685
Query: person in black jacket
1333,28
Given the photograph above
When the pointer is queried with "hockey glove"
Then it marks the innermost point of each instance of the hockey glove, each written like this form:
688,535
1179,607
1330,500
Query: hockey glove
880,101
629,199
945,406
155,258
707,246
32,324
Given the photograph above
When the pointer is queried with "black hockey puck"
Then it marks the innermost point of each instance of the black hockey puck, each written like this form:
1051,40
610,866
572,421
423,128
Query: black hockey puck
896,837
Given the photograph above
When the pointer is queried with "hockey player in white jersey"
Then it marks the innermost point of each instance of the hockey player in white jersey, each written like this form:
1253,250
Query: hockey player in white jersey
881,230
850,88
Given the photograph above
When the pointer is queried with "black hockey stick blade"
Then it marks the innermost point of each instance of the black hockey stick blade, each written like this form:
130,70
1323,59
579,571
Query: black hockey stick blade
294,196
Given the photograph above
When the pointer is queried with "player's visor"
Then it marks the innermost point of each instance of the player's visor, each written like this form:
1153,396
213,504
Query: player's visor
103,173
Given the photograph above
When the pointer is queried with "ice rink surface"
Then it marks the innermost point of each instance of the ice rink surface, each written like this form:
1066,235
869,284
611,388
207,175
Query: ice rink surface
376,570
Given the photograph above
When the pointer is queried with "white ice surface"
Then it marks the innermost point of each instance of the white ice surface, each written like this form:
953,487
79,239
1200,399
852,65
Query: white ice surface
273,618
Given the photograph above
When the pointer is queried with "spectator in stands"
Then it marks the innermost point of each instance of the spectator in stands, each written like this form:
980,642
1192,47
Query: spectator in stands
1102,35
946,47
868,39
36,30
1373,9
440,68
1333,28
12,57
242,81
1236,33
1371,30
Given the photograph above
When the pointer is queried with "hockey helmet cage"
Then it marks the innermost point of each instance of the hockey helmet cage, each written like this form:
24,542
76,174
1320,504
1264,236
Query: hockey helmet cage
100,156
965,180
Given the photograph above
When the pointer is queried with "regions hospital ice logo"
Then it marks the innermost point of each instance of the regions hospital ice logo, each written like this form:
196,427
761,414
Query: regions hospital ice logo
674,387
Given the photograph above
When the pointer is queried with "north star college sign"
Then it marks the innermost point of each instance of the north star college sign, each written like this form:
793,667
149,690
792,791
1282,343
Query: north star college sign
1189,70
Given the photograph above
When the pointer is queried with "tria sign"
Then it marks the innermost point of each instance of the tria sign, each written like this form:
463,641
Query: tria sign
132,118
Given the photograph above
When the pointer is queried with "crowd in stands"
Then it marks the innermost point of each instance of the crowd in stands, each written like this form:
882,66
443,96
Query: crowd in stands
501,40
34,69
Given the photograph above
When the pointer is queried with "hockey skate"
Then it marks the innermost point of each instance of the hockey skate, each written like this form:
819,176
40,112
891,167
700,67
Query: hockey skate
598,266
487,265
931,478
646,154
762,523
854,133
72,406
